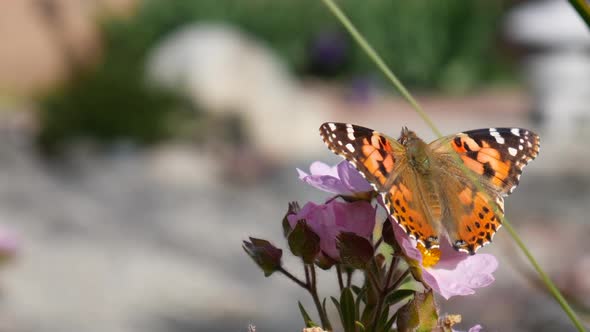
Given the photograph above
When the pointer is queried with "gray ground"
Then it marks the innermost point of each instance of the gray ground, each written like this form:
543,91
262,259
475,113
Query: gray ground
130,240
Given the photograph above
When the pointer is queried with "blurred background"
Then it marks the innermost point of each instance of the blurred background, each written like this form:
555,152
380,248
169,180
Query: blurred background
141,141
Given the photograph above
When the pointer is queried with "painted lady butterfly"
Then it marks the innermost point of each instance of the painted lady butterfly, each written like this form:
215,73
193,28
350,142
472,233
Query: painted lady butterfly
426,190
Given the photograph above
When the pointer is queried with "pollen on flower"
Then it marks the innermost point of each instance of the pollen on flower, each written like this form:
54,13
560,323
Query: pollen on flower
429,256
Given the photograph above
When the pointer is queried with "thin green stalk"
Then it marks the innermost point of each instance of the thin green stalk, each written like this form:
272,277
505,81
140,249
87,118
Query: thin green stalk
545,278
583,9
313,290
339,273
381,64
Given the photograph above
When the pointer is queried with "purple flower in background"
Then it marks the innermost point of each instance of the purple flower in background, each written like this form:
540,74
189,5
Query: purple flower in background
447,271
476,328
328,53
329,220
9,243
342,179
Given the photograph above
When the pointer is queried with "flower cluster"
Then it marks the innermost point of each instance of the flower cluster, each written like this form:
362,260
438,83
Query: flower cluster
398,272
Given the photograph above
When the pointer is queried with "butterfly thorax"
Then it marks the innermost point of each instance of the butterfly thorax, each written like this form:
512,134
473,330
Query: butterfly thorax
417,151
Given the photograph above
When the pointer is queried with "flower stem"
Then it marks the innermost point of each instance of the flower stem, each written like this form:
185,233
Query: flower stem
399,280
294,278
545,278
339,273
311,286
373,279
583,9
383,291
348,277
313,290
358,37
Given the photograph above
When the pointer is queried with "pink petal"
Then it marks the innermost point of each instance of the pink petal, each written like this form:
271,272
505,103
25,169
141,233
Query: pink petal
456,273
452,278
342,179
408,245
327,183
329,220
320,168
352,178
357,217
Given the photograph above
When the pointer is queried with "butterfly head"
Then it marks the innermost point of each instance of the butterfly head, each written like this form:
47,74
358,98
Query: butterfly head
416,149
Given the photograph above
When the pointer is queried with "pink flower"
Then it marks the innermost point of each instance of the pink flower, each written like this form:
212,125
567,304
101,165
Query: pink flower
342,179
455,273
329,220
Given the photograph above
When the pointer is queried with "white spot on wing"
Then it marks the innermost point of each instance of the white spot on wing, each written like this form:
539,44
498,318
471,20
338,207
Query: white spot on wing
497,136
512,151
351,135
350,147
332,126
515,131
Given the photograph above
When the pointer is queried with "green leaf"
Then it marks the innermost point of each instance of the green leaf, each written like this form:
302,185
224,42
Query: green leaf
347,309
360,296
304,243
308,321
389,324
356,289
418,315
326,311
355,251
383,319
360,325
337,305
398,296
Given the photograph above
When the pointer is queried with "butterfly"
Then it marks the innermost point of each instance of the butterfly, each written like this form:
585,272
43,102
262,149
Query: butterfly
426,188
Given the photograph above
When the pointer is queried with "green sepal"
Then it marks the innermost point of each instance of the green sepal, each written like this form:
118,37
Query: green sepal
418,315
308,321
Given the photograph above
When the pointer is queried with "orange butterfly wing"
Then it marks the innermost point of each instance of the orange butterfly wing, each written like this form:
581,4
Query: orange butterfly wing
374,155
496,157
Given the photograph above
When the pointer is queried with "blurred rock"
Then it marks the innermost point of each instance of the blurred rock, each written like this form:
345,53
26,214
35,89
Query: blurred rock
225,71
38,38
549,24
557,66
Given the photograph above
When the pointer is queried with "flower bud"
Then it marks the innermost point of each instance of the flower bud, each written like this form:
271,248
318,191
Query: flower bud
264,254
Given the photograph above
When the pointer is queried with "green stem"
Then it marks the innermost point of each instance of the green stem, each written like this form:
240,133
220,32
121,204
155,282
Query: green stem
313,290
545,278
584,9
294,278
348,277
339,273
358,37
382,295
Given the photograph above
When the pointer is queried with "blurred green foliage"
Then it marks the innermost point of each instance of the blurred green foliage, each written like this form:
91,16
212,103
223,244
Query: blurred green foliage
441,45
